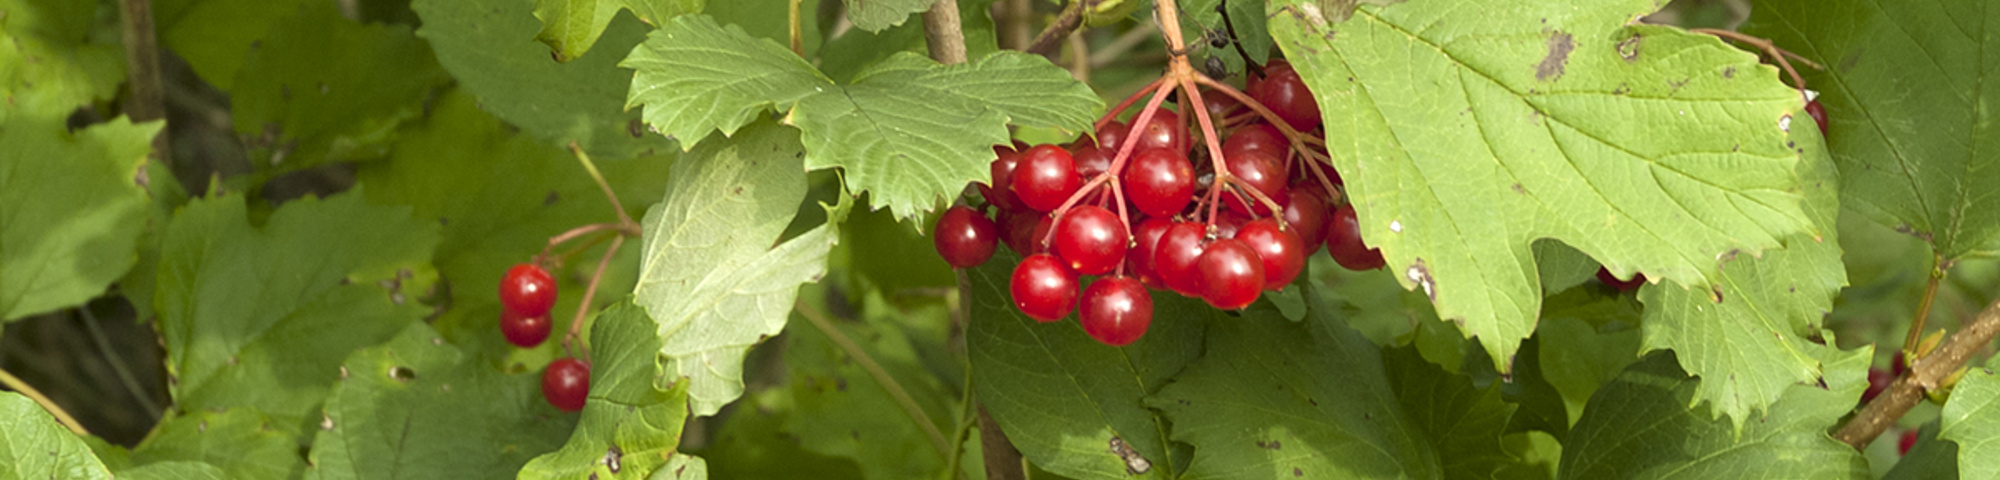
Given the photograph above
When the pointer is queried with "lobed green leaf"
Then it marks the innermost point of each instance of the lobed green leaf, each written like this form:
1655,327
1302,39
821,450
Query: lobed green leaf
70,212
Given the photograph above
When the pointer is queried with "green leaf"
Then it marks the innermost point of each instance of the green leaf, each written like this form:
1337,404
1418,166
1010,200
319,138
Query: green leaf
753,443
1929,459
1586,340
35,446
876,15
263,317
1903,96
214,36
1750,338
70,214
1968,420
839,409
417,407
238,443
489,47
891,255
1462,421
1277,399
1063,398
713,275
53,59
1469,129
177,470
498,196
628,416
1647,407
908,131
572,26
325,88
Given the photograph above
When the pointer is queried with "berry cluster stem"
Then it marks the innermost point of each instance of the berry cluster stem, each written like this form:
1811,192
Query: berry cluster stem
624,228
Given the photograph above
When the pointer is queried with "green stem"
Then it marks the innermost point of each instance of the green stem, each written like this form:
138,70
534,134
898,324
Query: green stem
1916,333
623,219
881,376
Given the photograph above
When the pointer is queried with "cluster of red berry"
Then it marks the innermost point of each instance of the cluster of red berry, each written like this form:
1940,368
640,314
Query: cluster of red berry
527,292
1140,208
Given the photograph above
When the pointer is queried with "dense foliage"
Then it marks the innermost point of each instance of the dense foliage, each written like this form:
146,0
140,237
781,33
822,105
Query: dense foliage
1519,239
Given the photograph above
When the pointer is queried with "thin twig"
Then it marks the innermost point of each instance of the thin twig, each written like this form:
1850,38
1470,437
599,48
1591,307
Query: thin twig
1012,17
1003,461
1066,23
964,423
591,167
1923,375
142,65
1771,49
1924,308
24,389
796,28
917,415
589,292
117,362
942,32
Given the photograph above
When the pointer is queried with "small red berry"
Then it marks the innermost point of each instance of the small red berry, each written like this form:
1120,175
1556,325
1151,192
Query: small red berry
1604,275
1163,131
566,383
1256,137
1909,440
1343,242
1818,113
1092,239
1159,182
1116,310
1045,178
1232,276
1305,215
1257,170
1283,254
1898,364
964,237
1176,255
1091,161
1146,239
528,290
1112,136
1044,288
1285,93
999,191
524,332
1878,382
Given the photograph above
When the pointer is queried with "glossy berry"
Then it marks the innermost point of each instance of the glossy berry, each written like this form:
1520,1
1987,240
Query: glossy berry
1091,239
1145,237
524,332
1343,242
1219,105
1000,190
527,290
1229,222
1044,288
964,237
1091,161
1909,439
1037,242
1163,131
1019,229
1255,170
1285,94
1878,382
1282,252
1305,215
565,383
1604,275
1818,113
1176,255
1160,182
1116,310
1112,136
1045,178
1256,137
1231,274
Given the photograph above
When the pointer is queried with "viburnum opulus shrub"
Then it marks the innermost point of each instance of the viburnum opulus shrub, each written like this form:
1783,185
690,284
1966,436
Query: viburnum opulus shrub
963,239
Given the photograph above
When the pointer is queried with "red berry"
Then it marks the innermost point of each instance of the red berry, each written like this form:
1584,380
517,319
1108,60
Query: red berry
1091,239
1305,215
964,237
1164,131
1116,310
1878,382
1229,222
1112,136
1231,274
1174,258
565,383
1283,254
1898,364
1285,94
1343,242
1146,237
1219,104
1000,190
1044,288
528,290
1818,113
1909,440
1604,275
1041,233
1045,178
524,332
1255,170
1256,137
1091,161
1020,229
1159,182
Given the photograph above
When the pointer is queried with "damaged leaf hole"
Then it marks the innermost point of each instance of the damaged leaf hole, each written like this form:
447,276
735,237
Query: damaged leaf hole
402,373
613,459
1135,463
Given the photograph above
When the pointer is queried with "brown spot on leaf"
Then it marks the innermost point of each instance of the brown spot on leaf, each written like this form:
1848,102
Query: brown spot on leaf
402,373
1551,67
1628,49
1135,463
1271,445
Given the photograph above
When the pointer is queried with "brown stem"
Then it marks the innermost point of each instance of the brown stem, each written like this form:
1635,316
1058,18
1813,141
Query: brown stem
1013,15
1924,309
1066,23
591,167
62,417
1923,375
796,28
942,33
142,65
1771,49
1003,462
589,292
